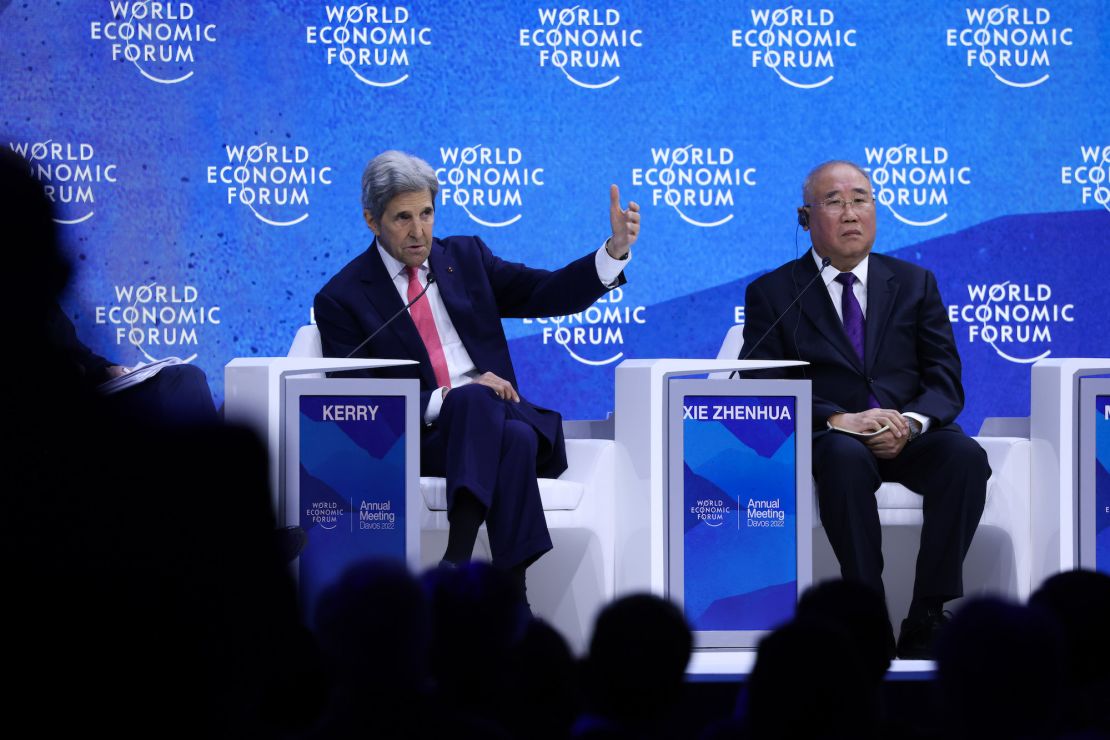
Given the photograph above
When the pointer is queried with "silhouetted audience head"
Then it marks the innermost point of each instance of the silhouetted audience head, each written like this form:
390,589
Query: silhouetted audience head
33,261
544,696
142,583
35,275
860,612
999,671
374,628
637,659
477,616
1080,601
810,681
478,619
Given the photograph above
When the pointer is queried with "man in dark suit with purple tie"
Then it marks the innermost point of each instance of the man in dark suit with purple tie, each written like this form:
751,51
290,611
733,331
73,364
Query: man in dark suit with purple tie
479,433
881,355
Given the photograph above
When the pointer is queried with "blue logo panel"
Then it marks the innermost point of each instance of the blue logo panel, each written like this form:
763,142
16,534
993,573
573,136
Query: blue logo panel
740,543
352,485
1102,483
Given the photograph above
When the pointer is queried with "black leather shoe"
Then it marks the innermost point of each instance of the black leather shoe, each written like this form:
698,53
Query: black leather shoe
290,542
915,641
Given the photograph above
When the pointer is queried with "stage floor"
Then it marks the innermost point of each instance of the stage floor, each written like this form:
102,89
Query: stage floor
723,664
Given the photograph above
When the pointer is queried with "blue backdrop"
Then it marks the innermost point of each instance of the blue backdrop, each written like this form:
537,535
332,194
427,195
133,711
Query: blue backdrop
205,161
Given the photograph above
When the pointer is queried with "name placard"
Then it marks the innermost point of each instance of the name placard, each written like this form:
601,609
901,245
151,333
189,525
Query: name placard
739,511
1102,483
351,485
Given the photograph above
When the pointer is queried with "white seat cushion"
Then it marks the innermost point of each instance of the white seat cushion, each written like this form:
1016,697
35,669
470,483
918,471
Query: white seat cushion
897,496
556,495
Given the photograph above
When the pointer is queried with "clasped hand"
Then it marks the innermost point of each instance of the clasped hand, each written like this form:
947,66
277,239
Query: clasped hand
885,446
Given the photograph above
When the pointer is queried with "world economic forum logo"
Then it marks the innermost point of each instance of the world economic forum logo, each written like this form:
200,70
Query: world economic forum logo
1013,43
915,183
71,174
711,511
158,320
488,183
324,514
374,43
800,45
273,181
595,336
698,182
1090,175
585,44
158,38
1016,320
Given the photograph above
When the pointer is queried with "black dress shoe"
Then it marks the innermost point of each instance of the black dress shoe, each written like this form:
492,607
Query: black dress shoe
290,542
915,641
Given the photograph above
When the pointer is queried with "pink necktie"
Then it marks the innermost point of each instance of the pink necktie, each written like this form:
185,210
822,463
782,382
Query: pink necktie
421,313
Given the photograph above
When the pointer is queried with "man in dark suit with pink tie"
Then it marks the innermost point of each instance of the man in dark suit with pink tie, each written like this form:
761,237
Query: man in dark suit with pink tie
480,433
881,355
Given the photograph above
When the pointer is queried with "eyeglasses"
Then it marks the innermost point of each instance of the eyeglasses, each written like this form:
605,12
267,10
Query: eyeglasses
839,205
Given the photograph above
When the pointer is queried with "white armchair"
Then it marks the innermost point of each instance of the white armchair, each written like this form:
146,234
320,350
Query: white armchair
1000,558
569,585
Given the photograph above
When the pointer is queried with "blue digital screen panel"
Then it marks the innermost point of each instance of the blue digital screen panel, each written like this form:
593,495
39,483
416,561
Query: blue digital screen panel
739,481
352,485
1102,483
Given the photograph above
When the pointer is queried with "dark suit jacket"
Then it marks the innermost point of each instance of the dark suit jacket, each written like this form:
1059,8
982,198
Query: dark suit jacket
911,360
90,367
478,290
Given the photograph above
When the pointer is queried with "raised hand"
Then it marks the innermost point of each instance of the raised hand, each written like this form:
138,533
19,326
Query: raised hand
625,224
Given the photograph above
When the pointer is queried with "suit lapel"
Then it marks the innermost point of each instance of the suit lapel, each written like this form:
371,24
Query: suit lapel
453,292
382,293
882,297
818,308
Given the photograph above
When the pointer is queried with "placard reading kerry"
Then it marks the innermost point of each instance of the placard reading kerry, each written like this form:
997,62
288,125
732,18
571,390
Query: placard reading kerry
1102,483
740,524
352,485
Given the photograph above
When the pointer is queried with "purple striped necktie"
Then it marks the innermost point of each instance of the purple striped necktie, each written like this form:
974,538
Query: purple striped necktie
854,323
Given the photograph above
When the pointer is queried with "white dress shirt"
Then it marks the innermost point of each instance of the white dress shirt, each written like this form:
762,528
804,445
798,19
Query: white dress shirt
859,288
836,290
459,365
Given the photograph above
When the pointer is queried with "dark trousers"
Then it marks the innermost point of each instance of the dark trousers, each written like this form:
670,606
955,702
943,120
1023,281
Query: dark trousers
494,450
945,466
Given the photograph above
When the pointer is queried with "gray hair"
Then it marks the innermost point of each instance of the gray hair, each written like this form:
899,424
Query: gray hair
391,173
823,166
